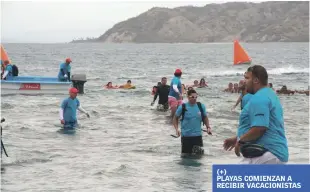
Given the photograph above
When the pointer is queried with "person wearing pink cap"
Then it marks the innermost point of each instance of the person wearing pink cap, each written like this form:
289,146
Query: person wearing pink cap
175,93
69,108
64,71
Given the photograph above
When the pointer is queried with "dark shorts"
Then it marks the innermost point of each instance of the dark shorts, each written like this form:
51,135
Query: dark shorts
189,142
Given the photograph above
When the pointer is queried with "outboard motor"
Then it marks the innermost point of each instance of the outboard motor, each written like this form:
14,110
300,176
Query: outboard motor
78,81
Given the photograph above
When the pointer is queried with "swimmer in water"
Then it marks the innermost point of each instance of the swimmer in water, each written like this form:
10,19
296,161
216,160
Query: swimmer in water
230,88
284,90
236,88
127,85
270,86
110,86
196,84
202,83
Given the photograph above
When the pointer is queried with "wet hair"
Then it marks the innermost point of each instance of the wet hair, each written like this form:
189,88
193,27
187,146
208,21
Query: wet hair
202,80
260,73
129,81
190,88
191,91
108,83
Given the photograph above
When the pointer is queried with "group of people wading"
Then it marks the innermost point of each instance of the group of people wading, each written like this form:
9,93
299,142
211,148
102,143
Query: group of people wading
260,136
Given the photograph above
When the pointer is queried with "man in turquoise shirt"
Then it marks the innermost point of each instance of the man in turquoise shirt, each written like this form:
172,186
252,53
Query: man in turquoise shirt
68,110
8,70
261,123
191,134
64,71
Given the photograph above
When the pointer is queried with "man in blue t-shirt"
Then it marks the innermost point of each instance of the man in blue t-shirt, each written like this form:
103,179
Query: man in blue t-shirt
64,71
175,93
191,134
8,70
68,110
261,123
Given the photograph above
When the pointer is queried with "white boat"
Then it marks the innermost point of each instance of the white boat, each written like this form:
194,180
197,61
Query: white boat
32,85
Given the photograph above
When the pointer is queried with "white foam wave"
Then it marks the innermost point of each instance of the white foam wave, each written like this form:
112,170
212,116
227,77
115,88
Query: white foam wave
276,71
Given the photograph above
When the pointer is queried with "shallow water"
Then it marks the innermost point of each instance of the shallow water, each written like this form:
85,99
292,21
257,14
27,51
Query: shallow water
126,144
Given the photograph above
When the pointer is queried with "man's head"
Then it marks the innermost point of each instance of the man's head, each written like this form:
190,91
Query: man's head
196,82
270,85
73,92
178,73
241,82
129,82
256,77
6,62
164,81
68,61
230,85
236,86
192,96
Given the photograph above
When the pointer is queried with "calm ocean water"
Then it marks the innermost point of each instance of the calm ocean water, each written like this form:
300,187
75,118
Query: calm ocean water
126,145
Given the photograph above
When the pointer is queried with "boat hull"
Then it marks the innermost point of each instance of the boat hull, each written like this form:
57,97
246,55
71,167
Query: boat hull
28,85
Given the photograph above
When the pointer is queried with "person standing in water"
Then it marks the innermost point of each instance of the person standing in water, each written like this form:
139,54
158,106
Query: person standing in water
162,92
69,108
192,113
64,71
175,92
243,98
261,135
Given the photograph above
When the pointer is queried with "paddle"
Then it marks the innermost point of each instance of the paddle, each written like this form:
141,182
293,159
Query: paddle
201,129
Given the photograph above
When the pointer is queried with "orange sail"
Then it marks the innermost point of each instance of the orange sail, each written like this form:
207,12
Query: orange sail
240,56
4,55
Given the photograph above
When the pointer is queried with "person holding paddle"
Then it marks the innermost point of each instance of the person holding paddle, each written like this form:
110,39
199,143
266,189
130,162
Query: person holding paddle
192,113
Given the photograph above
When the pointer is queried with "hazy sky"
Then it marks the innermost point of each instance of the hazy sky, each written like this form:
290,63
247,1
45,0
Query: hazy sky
62,21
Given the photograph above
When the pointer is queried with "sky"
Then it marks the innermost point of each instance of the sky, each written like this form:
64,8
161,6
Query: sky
62,21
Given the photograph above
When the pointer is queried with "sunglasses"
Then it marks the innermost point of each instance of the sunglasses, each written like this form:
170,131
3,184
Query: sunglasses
193,97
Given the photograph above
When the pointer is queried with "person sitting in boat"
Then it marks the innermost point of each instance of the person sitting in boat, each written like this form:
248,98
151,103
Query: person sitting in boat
284,90
202,83
230,88
64,70
127,85
110,86
155,88
8,71
69,107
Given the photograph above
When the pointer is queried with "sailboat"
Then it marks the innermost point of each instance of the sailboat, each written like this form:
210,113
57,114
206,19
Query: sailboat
240,55
4,55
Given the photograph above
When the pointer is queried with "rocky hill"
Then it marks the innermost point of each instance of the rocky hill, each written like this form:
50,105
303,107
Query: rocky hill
251,22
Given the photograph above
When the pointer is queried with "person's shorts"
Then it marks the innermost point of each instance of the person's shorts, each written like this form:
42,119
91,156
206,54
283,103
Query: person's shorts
161,107
173,102
188,143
